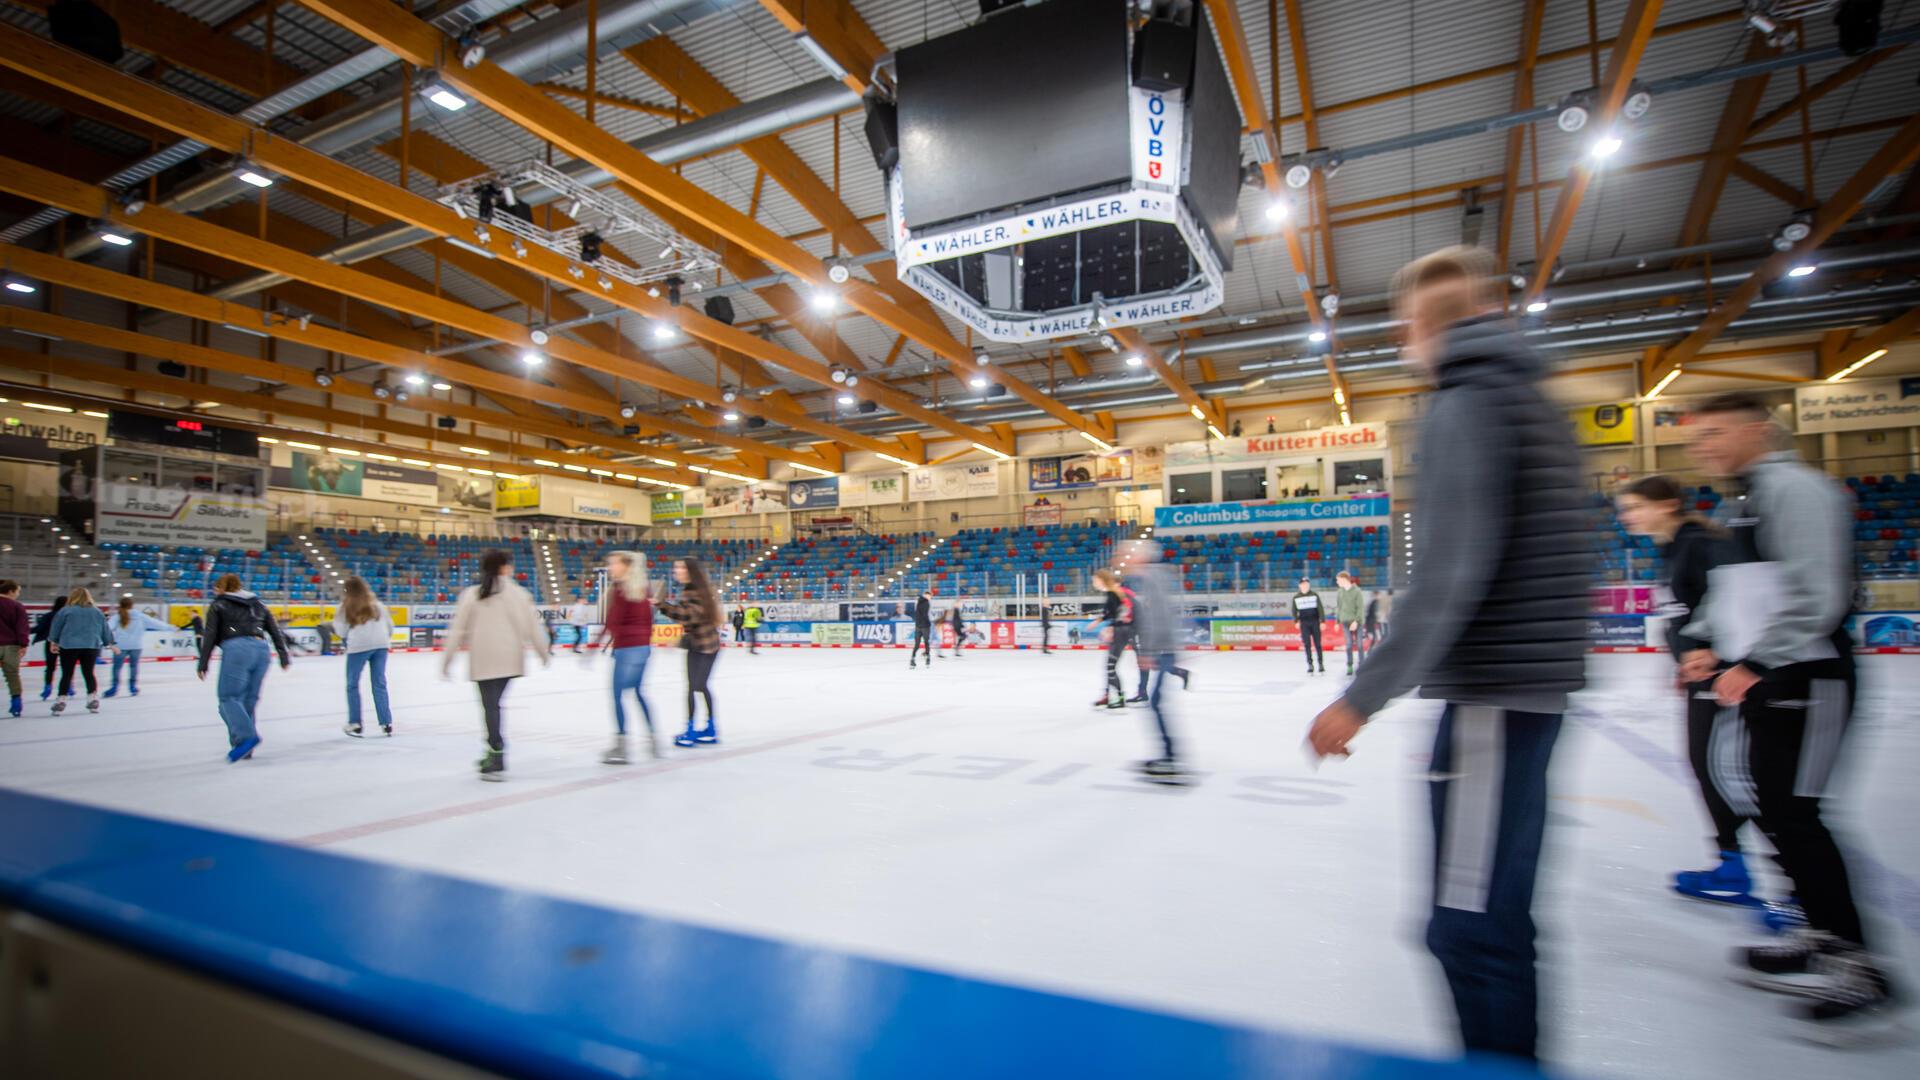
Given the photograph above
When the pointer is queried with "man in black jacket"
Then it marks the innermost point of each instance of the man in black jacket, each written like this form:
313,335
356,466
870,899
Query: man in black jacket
1495,625
922,628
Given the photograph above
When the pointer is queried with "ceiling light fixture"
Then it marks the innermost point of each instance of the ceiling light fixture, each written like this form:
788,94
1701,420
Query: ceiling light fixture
532,359
984,448
1857,365
442,95
1604,147
254,177
1803,270
19,286
1536,307
1105,446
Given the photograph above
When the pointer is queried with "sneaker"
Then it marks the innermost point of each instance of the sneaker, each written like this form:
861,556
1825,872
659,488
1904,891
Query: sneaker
244,749
1856,1005
617,753
1782,916
1787,966
493,765
93,704
1727,883
352,729
59,707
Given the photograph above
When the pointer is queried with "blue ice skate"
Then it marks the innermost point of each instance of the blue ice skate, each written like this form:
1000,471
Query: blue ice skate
1782,916
1727,883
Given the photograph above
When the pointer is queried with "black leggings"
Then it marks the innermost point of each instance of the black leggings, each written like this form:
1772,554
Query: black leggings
922,642
1122,638
491,691
1310,642
699,668
84,659
1706,721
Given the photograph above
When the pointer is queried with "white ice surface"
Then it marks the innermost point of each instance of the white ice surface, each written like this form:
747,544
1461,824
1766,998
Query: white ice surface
978,817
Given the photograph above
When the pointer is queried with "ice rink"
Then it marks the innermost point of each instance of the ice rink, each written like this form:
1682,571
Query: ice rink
979,817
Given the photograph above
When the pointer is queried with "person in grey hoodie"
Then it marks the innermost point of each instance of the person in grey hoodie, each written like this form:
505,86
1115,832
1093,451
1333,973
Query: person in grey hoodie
76,635
1775,614
1156,637
1495,625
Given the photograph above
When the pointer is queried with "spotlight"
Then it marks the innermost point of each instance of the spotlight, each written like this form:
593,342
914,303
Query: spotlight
846,399
1517,280
981,357
471,56
838,375
1299,176
1317,336
532,359
838,271
1572,117
305,321
1637,103
729,395
540,337
1797,228
1803,270
442,95
400,394
382,391
1330,304
852,380
590,248
627,411
823,301
606,283
1277,210
321,378
414,378
1107,340
869,406
489,198
663,331
730,416
977,382
443,386
1136,360
519,249
16,285
1604,147
1536,307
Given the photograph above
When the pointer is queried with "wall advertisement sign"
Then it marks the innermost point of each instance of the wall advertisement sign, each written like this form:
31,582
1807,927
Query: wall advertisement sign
1374,507
969,481
873,489
599,509
516,493
818,494
1610,424
334,474
1857,405
35,436
137,514
679,504
1076,471
1280,444
758,497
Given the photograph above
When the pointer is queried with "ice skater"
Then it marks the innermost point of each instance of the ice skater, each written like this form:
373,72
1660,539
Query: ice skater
41,626
16,635
959,622
1775,617
698,613
497,625
1117,616
365,628
580,617
244,631
1046,629
77,635
1350,608
1496,627
1690,549
750,621
1156,636
129,640
1308,606
629,628
922,627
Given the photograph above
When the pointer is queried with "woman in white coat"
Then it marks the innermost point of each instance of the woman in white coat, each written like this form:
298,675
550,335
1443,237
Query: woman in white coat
365,627
496,624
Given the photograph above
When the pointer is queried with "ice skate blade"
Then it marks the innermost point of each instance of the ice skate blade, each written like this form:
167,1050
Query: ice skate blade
1807,986
1885,1026
1748,903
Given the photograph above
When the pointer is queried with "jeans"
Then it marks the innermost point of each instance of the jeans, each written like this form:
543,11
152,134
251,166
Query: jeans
491,691
243,668
84,659
1163,667
374,661
130,658
629,668
1489,804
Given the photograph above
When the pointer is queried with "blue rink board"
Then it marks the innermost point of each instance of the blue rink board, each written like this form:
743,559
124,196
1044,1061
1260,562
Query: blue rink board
529,985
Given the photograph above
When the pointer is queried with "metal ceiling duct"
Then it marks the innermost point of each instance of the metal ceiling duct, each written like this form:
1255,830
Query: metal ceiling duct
743,123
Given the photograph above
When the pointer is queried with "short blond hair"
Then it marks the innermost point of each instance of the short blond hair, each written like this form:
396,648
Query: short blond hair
1472,267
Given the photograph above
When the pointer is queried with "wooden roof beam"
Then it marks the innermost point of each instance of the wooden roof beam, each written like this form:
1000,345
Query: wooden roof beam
838,29
1742,101
1636,29
1206,410
1894,157
1310,122
1517,138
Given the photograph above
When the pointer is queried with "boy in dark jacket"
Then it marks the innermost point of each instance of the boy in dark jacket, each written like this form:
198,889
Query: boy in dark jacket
1495,625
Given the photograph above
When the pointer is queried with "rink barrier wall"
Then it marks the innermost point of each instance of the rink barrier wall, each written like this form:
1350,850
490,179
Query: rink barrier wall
528,985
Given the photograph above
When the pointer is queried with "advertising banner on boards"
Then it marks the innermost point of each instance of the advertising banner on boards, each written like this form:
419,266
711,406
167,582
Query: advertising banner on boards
1279,444
1857,405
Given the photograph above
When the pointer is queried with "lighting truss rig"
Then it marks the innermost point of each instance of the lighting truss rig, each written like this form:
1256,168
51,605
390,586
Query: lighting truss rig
504,200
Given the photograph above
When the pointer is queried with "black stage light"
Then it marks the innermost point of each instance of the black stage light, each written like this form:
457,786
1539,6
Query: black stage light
590,248
490,200
173,368
720,309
